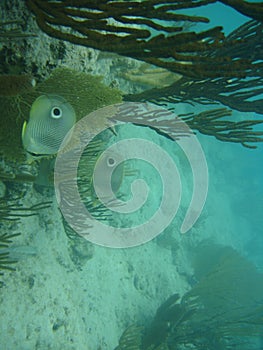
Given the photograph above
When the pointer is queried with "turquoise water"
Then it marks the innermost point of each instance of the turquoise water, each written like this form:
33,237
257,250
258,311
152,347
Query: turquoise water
161,289
242,170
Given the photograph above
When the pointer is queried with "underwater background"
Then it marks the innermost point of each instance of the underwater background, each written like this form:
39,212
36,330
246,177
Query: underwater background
198,290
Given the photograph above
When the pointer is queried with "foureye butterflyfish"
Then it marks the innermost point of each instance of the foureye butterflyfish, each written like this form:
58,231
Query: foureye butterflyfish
100,175
107,164
51,118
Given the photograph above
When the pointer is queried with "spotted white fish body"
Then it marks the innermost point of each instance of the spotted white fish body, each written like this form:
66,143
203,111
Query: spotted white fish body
51,118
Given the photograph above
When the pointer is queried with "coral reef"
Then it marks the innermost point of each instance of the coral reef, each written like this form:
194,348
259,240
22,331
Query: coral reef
240,94
83,91
151,76
5,262
222,311
14,211
137,31
10,214
210,122
213,123
12,30
12,85
196,67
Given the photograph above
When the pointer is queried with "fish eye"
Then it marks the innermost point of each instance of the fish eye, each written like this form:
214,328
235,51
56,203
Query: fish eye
56,112
111,162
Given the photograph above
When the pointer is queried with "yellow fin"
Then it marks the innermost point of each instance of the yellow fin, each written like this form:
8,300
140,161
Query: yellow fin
24,129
